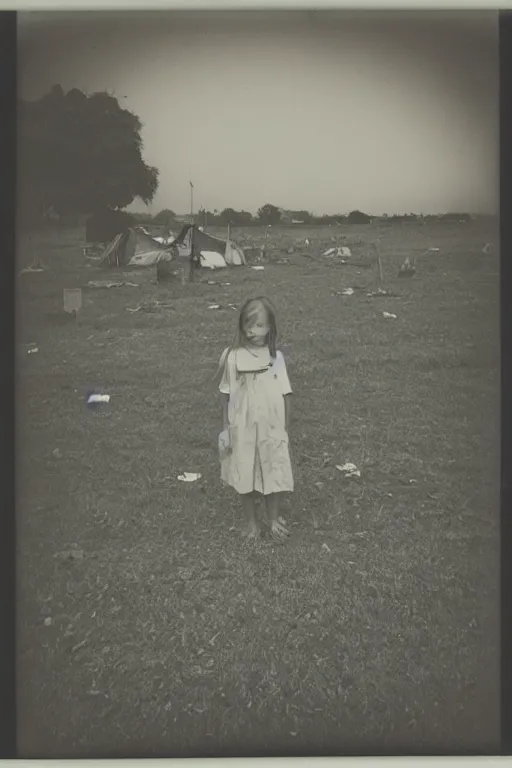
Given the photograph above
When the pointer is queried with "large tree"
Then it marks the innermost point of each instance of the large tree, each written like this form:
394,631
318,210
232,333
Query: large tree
269,214
80,154
164,217
236,218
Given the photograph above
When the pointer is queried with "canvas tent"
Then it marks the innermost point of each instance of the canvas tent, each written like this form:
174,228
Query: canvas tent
135,249
204,244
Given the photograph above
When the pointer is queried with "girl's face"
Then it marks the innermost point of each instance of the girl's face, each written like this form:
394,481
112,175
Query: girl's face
256,325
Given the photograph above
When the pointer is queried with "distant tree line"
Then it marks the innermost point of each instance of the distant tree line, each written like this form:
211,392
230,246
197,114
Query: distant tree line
271,215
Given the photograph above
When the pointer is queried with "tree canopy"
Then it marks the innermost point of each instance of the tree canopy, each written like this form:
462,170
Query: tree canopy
80,154
269,214
165,217
236,218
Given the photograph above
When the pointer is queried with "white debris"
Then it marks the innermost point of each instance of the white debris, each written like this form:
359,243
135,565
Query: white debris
347,292
214,306
110,284
433,250
32,350
189,477
389,315
329,252
31,269
258,268
98,399
349,469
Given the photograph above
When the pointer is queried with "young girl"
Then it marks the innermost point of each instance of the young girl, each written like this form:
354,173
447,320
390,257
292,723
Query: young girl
256,412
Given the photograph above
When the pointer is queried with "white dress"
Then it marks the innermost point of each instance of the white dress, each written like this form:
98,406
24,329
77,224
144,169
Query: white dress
260,457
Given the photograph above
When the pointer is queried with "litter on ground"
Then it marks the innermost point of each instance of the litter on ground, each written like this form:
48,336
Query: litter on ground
347,292
407,269
32,350
214,306
329,252
36,266
189,477
349,469
31,269
389,315
151,306
98,399
110,284
258,268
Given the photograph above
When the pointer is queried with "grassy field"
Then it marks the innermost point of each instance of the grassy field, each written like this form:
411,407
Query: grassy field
146,624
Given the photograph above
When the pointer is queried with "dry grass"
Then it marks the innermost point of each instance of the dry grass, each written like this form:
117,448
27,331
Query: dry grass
147,625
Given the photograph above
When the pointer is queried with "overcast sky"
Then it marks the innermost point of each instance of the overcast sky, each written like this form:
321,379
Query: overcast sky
327,111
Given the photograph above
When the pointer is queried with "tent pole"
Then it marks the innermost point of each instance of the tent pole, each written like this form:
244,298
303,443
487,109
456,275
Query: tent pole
192,256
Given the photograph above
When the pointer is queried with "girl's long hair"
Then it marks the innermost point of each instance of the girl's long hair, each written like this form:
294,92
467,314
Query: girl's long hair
239,339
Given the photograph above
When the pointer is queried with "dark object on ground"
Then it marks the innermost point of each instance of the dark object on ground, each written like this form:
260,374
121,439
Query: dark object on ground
165,272
407,269
103,227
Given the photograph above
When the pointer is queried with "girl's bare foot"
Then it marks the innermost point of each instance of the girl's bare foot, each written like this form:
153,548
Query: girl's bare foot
278,531
252,531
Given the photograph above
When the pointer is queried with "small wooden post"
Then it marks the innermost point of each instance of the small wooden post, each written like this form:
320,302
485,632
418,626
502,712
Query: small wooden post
72,299
379,261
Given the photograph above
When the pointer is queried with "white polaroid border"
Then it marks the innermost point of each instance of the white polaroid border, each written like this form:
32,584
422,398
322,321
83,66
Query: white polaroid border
40,7
255,5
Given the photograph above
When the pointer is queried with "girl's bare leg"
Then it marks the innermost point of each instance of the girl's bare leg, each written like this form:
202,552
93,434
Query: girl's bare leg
277,531
249,507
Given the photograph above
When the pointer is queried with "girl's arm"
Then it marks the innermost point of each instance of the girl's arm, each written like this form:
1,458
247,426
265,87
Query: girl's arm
287,409
225,405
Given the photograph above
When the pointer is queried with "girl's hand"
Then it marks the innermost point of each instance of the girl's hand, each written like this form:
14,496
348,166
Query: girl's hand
226,440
